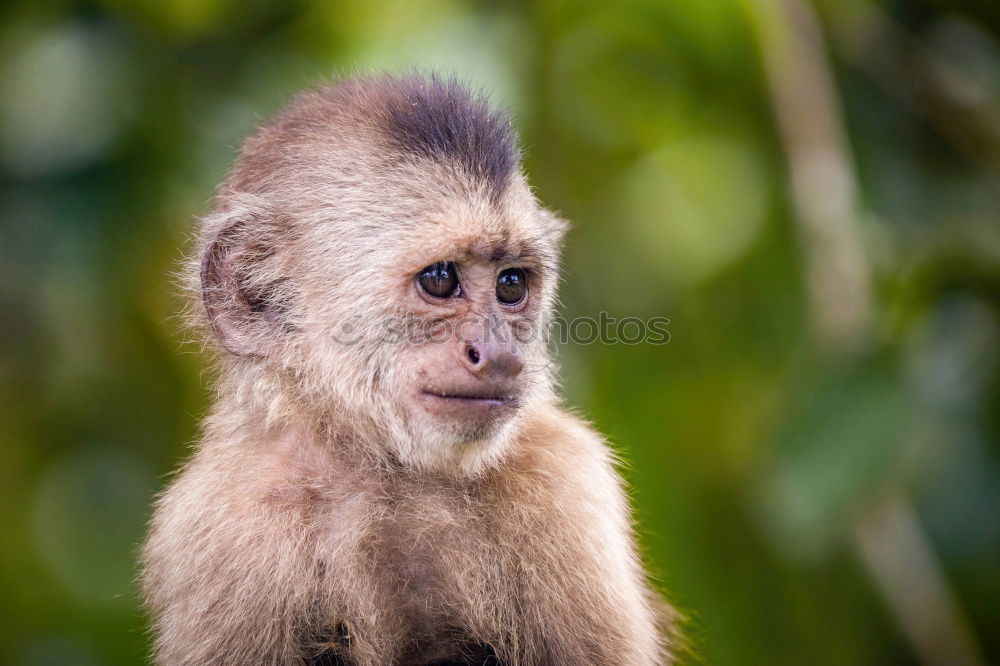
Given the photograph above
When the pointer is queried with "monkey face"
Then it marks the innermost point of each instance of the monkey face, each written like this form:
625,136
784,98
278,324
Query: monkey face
475,352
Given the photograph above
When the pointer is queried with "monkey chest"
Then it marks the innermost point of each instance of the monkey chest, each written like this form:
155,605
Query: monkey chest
426,563
419,584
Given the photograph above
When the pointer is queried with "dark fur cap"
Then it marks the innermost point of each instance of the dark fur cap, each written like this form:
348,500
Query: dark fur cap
440,118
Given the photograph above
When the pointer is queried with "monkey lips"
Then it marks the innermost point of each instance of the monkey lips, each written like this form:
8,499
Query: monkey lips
469,404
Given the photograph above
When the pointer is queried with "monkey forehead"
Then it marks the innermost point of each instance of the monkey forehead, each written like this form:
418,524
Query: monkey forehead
470,227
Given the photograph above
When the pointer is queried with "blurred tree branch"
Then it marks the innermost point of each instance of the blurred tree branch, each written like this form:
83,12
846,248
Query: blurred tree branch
887,535
819,169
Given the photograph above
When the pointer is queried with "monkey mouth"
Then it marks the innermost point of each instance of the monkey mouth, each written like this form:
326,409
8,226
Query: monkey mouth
473,398
479,405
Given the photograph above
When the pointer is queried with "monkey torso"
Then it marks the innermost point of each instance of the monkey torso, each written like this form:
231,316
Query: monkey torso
256,558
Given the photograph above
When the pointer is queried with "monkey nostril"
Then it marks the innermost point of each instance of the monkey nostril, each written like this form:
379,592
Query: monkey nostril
473,354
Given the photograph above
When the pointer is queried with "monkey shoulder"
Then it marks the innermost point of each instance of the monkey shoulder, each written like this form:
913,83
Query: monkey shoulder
557,444
561,481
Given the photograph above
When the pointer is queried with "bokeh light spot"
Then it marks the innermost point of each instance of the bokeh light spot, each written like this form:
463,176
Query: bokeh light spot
697,205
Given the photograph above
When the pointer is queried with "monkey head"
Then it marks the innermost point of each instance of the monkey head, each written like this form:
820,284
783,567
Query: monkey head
376,257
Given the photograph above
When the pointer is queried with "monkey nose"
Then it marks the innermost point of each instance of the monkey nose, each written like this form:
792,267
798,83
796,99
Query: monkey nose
493,359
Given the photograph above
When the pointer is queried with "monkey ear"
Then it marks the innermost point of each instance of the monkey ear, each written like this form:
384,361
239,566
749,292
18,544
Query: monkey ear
555,227
243,296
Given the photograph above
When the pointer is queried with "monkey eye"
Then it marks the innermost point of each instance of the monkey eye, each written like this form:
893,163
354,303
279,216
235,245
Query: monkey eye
511,286
440,279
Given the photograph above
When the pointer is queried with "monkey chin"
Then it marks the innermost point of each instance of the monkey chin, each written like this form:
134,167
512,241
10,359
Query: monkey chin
459,437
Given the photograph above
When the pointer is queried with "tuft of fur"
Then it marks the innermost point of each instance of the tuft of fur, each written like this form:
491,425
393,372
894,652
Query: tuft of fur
322,517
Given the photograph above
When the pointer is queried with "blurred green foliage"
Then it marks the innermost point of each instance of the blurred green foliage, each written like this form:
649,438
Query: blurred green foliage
753,451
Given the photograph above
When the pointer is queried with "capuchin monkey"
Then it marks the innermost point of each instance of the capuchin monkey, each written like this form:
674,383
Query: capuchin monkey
386,475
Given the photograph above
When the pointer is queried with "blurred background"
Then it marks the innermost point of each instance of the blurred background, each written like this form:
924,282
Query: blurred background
810,191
